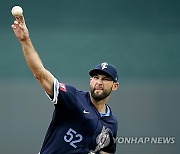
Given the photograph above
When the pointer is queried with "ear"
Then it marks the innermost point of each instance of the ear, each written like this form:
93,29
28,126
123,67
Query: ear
90,79
115,86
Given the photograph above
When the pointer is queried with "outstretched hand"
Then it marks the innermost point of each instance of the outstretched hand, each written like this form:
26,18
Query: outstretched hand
20,29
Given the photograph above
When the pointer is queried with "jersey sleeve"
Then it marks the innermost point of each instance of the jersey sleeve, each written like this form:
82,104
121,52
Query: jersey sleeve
63,94
54,98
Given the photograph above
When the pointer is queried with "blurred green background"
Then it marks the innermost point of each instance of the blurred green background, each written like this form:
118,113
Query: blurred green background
140,37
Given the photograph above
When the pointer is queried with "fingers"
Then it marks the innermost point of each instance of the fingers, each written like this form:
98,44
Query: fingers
15,25
20,19
19,22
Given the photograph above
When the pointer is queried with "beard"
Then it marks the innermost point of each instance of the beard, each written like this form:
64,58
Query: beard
100,96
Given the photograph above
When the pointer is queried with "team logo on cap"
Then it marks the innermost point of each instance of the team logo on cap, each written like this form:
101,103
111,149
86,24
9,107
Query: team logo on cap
104,65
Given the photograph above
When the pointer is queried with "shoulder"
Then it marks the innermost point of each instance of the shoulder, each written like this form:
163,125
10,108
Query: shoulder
73,90
112,116
69,91
68,88
112,121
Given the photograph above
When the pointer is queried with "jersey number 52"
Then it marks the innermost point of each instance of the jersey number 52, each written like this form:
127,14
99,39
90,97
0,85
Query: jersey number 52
72,137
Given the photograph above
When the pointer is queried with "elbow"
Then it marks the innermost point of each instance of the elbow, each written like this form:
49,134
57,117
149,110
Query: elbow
39,75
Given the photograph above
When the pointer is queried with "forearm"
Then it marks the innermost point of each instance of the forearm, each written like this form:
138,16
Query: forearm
32,57
45,78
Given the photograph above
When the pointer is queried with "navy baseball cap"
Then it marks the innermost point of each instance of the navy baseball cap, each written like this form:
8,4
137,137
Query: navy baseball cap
107,69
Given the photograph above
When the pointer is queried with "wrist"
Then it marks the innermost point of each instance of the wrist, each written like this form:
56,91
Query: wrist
25,40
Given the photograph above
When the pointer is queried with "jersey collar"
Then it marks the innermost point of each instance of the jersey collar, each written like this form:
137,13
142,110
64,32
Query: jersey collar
107,112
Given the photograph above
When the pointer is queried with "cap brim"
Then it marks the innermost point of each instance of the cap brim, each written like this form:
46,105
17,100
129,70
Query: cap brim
95,71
